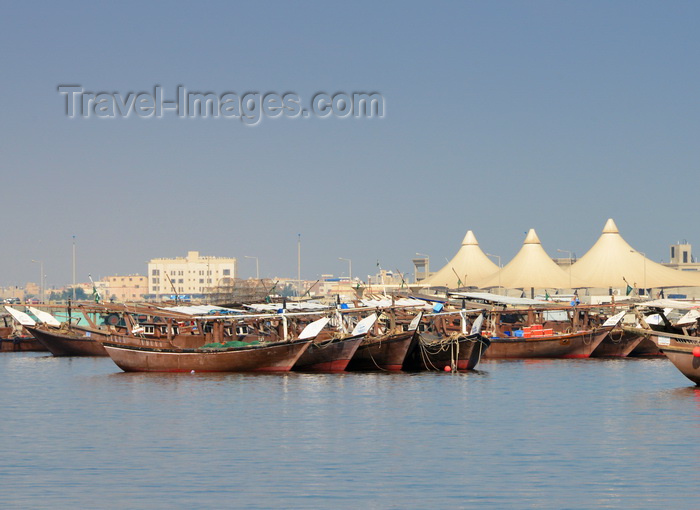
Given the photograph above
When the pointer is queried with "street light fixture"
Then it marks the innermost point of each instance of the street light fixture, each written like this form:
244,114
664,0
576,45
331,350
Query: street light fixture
257,266
349,267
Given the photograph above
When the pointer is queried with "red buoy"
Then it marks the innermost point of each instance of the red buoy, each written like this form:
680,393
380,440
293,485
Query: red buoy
696,351
448,368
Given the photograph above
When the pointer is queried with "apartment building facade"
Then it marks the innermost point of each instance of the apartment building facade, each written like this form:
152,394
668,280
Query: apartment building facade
193,275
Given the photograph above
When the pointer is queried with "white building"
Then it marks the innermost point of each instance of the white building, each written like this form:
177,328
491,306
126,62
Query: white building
189,275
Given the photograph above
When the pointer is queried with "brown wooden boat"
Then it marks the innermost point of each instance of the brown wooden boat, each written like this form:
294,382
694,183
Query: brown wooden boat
158,356
21,344
534,333
682,350
6,331
383,352
617,344
330,355
16,338
646,348
76,341
579,344
457,351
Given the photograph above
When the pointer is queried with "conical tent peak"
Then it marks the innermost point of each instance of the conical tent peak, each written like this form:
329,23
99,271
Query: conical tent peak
469,239
610,227
532,237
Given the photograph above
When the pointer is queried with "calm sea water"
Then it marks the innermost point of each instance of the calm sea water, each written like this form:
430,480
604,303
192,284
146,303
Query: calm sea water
79,433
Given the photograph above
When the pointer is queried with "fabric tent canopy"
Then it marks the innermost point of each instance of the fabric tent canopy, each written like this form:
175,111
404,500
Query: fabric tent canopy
611,262
469,265
531,268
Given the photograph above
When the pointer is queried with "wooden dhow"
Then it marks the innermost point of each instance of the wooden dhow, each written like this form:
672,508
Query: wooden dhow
14,336
160,341
682,350
619,343
163,356
386,346
439,347
576,337
75,341
331,352
67,339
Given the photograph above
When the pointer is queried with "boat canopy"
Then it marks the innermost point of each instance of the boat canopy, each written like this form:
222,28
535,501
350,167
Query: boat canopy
670,303
488,297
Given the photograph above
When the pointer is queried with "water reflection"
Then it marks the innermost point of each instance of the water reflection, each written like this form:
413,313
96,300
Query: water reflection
552,434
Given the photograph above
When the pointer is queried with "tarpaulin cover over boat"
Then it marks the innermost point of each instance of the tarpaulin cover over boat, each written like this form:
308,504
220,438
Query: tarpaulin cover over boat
611,262
468,266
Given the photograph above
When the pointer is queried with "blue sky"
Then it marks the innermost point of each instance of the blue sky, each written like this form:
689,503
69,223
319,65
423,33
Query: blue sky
500,117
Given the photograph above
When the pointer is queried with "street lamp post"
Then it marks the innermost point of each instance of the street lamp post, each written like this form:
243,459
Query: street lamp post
41,279
257,266
499,269
349,267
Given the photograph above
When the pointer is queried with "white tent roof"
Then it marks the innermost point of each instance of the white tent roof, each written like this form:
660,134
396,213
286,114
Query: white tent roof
468,266
611,261
531,268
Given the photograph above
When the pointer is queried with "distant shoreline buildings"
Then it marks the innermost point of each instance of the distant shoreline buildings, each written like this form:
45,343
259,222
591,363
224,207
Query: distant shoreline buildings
195,277
192,275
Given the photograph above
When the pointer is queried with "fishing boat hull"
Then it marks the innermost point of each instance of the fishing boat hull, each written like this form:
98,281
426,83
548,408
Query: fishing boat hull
680,349
386,352
21,344
646,348
573,345
460,352
329,356
617,344
68,343
276,357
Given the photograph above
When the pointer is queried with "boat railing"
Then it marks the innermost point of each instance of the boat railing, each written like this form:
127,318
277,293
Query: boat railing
140,341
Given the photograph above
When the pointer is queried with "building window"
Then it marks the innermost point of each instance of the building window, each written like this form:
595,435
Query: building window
673,252
155,272
227,272
201,280
685,257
